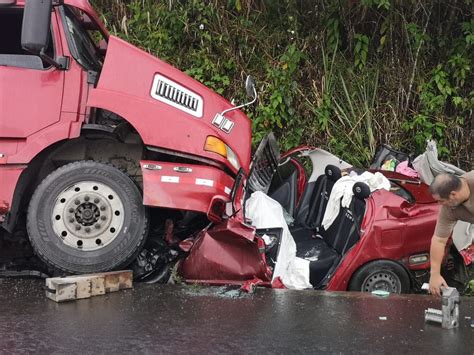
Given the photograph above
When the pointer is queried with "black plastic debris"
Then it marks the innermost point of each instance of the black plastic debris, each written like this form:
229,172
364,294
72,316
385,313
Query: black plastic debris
155,262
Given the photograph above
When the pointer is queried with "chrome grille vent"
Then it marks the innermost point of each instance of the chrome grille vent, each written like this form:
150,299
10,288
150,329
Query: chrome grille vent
171,93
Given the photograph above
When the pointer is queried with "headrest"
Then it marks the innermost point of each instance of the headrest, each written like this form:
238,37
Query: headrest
361,190
332,172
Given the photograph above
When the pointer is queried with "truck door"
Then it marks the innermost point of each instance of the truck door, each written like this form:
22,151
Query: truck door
30,89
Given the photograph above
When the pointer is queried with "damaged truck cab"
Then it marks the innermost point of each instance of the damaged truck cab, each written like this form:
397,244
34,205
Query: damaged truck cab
93,131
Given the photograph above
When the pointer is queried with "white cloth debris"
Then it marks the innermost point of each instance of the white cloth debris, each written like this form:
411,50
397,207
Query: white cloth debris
266,239
265,212
463,235
342,189
428,166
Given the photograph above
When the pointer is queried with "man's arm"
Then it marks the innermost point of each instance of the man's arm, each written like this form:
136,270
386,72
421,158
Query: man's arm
437,248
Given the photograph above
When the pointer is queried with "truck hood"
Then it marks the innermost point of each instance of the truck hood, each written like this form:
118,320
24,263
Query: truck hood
168,108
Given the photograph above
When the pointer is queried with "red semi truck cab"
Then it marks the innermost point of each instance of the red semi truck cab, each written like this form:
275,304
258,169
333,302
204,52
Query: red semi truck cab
94,131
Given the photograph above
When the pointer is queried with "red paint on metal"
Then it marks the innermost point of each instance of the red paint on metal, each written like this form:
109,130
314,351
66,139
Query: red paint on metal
159,190
50,112
57,103
7,2
9,175
249,285
277,283
186,244
420,192
159,124
225,254
387,213
217,208
83,5
302,181
4,208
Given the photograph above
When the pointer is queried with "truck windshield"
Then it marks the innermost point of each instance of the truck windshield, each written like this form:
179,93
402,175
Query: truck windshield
82,47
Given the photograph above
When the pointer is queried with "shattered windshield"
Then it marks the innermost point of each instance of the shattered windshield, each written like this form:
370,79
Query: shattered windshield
81,45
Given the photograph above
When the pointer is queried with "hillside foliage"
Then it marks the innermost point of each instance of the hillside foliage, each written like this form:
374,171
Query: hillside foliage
344,75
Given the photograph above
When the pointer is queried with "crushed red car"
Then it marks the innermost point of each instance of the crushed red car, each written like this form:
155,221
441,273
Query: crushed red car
379,240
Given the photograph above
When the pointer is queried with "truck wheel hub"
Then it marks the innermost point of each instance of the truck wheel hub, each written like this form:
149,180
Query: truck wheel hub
88,215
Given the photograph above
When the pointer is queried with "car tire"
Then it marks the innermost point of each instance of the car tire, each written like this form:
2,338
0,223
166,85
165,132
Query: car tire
381,275
87,217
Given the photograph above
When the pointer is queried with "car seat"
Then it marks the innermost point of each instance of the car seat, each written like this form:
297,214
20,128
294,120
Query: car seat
309,217
325,252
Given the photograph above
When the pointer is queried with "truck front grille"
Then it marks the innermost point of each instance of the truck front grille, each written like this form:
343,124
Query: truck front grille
171,93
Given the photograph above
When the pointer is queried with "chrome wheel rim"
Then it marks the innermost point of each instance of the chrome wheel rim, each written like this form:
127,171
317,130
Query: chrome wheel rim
87,215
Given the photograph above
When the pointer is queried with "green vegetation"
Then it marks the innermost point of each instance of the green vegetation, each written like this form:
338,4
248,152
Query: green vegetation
469,289
343,75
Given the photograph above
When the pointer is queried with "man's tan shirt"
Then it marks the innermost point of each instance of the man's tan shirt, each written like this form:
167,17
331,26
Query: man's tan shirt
448,216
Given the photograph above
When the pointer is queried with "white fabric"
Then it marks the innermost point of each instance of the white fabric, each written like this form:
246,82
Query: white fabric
266,239
428,166
463,235
342,189
265,212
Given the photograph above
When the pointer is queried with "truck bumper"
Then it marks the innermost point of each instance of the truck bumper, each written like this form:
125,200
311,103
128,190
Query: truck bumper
184,186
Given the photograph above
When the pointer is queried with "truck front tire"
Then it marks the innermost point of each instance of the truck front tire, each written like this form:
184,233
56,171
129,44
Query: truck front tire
87,217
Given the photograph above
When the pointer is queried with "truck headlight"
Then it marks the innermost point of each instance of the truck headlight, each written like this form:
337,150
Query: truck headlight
216,145
232,158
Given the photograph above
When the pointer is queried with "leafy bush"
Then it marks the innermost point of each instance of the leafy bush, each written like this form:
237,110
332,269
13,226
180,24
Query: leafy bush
469,290
343,75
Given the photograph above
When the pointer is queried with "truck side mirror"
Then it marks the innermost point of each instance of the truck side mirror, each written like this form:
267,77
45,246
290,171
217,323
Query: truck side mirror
251,91
250,87
36,25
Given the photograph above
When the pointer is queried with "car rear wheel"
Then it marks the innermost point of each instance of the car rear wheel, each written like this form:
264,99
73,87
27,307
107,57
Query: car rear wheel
87,217
382,275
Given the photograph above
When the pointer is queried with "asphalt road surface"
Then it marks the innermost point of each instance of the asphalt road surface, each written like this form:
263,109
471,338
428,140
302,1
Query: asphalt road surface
200,320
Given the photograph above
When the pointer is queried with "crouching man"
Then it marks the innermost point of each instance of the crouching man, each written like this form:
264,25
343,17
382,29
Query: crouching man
456,197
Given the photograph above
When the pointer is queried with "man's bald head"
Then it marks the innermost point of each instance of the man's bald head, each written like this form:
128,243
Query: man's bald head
444,184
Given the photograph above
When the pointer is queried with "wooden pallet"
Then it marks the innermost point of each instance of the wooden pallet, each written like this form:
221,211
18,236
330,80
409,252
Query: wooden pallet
69,288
